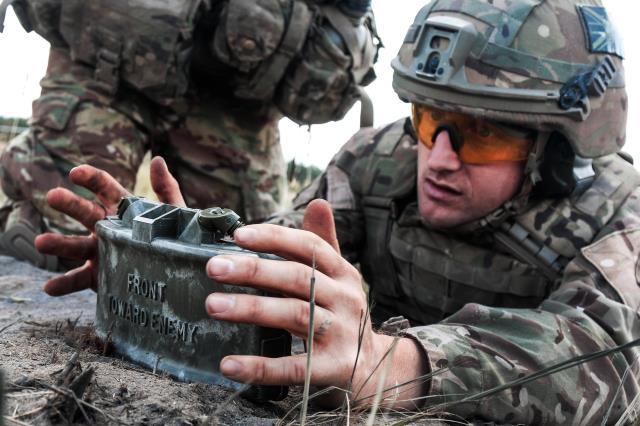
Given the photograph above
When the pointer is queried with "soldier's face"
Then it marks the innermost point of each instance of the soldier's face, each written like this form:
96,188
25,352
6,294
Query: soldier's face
452,193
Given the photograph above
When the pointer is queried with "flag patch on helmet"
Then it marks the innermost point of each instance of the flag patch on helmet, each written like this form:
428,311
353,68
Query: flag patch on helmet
601,35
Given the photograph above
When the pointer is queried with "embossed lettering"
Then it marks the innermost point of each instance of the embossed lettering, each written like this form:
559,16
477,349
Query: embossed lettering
128,311
144,319
121,306
153,293
154,322
173,328
149,289
192,332
181,331
113,303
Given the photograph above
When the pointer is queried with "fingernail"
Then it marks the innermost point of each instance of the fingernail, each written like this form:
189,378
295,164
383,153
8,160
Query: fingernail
217,304
229,367
218,266
245,235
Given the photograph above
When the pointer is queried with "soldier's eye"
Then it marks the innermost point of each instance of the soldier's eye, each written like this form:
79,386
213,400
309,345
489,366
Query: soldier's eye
484,131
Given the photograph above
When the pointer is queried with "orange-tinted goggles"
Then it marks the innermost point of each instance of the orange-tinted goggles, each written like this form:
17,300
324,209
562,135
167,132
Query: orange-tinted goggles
476,141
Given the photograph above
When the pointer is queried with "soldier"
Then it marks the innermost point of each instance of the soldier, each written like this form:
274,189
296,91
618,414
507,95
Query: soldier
202,83
502,222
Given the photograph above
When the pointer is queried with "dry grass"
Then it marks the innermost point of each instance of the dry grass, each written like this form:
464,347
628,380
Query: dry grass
307,379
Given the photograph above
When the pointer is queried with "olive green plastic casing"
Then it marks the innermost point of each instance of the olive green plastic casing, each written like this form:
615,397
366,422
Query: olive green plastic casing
152,287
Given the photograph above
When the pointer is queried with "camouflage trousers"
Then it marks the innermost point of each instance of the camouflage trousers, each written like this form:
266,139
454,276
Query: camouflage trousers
222,151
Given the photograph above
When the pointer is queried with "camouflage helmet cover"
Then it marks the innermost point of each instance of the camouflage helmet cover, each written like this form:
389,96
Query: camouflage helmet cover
550,65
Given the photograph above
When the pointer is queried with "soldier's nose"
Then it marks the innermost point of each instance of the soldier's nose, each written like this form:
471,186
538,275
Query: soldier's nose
442,156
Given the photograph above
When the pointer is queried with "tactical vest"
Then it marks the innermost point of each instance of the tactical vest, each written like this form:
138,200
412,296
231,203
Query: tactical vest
146,43
427,275
310,58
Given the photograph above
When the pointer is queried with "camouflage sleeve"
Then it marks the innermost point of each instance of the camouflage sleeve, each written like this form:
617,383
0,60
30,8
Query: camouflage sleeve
337,187
595,308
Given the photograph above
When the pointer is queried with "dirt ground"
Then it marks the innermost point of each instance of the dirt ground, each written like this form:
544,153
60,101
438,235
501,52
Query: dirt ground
39,336
57,371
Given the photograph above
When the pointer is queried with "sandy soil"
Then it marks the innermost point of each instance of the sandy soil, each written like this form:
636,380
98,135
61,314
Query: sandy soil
58,372
39,335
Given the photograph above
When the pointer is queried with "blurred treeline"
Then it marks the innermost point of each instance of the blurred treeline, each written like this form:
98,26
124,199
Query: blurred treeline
9,127
301,173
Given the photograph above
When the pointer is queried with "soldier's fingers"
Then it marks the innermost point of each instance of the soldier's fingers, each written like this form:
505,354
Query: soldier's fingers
75,280
101,183
69,247
164,184
84,211
293,244
288,278
257,370
271,312
318,218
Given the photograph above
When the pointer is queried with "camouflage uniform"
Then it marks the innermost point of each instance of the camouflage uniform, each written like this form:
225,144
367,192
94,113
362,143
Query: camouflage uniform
550,275
202,84
222,150
483,315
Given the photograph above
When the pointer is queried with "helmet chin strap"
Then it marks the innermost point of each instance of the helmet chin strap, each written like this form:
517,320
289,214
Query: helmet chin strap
562,172
532,167
583,173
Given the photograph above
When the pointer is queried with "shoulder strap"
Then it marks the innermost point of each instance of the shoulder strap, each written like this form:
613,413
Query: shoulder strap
387,166
383,180
366,109
361,56
268,75
517,241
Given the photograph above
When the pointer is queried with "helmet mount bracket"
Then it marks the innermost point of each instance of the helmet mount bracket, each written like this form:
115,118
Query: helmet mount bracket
443,46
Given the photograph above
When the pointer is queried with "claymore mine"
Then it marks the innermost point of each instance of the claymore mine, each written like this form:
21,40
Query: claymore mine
152,288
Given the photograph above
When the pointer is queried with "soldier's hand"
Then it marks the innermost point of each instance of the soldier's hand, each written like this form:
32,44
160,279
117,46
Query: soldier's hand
345,345
85,248
164,184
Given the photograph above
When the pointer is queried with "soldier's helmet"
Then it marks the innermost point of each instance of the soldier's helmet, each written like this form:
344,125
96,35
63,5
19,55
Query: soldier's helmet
550,65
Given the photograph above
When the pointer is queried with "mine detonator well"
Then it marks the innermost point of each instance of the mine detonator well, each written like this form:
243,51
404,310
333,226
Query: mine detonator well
152,287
